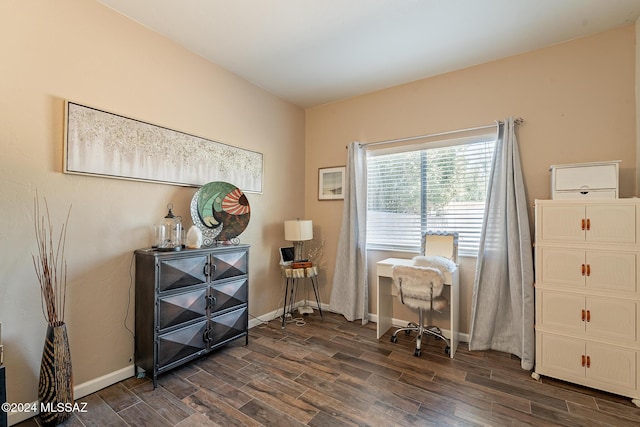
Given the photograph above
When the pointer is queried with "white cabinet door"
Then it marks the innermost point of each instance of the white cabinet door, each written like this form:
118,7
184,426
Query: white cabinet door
611,223
560,356
611,318
560,266
562,223
612,271
612,367
561,311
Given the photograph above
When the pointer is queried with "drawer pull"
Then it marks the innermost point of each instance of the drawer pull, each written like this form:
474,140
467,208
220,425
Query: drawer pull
583,224
588,315
584,360
588,269
588,224
584,315
584,269
588,361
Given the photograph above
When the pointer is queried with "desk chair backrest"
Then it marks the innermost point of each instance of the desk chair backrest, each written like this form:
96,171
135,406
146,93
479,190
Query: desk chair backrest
440,243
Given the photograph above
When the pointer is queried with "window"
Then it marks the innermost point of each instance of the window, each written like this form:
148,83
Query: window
441,188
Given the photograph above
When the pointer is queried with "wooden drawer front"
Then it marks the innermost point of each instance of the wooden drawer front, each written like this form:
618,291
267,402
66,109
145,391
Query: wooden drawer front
230,264
181,344
560,310
180,308
612,367
560,267
181,272
229,294
612,223
227,326
615,271
611,318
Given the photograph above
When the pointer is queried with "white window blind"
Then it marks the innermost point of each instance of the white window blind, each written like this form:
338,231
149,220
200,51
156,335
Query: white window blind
437,189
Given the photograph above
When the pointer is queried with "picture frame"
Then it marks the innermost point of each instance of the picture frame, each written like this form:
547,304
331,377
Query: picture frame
331,183
104,144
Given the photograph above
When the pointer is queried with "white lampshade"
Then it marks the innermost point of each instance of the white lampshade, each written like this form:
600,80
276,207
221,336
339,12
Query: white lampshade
297,230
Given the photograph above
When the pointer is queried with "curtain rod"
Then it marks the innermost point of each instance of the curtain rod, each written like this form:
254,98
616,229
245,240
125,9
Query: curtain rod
517,121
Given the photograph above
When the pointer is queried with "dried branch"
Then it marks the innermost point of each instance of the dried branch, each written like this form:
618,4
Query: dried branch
50,264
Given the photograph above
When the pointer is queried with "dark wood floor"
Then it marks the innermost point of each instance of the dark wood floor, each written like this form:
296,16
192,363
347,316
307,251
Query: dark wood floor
336,373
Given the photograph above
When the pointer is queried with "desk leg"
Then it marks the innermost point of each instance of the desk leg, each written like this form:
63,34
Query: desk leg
385,305
454,305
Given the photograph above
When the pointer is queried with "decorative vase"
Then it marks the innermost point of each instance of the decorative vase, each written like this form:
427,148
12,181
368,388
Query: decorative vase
55,389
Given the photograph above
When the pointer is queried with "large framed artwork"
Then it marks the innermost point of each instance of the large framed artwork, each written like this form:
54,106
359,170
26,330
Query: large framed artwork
331,183
110,145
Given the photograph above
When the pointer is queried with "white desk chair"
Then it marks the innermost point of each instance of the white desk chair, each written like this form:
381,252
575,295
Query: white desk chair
420,285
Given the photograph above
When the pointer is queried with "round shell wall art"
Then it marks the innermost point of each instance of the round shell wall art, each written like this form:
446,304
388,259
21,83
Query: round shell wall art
221,211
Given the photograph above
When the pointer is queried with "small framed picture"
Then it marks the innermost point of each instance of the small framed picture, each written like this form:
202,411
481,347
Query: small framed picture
331,183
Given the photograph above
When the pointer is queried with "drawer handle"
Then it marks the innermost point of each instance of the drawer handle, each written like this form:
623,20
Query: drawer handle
588,315
588,361
584,315
588,269
583,224
588,224
584,269
584,360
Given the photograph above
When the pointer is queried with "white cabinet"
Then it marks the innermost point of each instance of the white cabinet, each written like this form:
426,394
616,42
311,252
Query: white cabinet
587,298
598,180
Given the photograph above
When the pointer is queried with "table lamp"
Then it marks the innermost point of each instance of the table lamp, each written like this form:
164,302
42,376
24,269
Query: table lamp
297,231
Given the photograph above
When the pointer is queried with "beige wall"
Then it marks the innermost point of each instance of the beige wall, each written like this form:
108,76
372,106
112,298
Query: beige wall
83,51
578,100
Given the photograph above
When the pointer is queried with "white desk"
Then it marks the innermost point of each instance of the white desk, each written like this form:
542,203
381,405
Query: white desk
386,298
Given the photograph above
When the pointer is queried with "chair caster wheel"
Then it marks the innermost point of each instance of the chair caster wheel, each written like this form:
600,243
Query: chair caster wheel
447,350
417,352
394,338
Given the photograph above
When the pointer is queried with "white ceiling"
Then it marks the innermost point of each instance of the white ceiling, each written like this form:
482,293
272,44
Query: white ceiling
312,52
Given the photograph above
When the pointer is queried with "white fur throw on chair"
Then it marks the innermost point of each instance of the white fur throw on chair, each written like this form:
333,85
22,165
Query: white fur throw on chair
414,284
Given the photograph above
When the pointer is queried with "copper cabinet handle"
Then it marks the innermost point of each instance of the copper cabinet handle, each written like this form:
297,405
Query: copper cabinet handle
584,315
584,269
588,269
588,224
584,360
588,361
583,224
588,315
